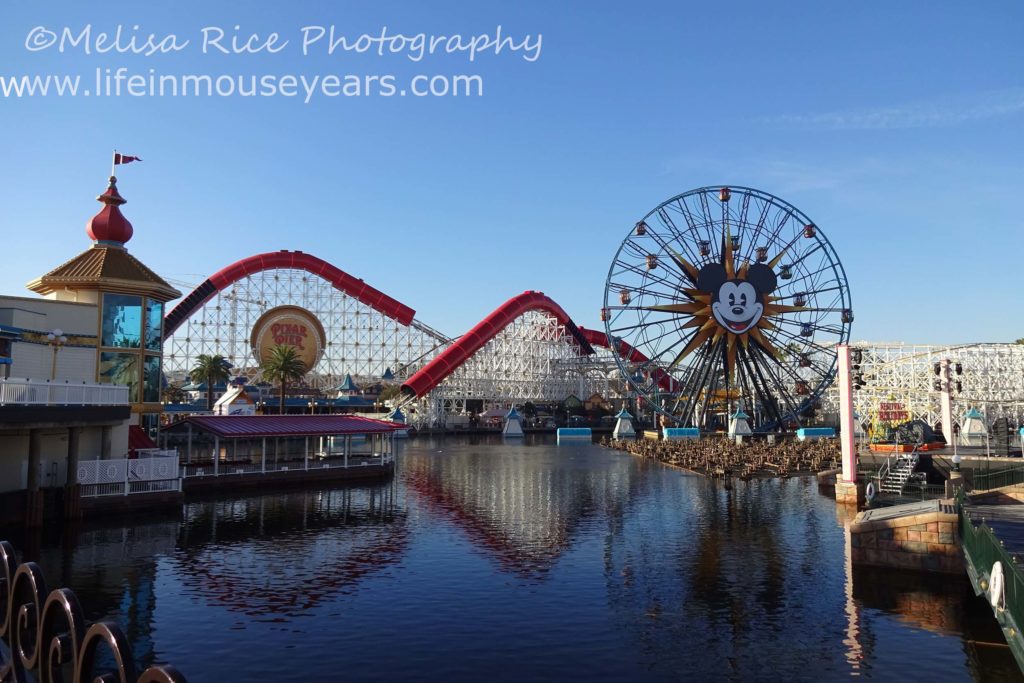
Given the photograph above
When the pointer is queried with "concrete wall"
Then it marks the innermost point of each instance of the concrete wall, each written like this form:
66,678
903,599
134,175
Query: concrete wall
927,542
43,315
53,454
82,296
13,461
35,361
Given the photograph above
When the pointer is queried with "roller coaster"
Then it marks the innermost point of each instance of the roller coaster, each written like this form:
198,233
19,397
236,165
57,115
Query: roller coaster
720,299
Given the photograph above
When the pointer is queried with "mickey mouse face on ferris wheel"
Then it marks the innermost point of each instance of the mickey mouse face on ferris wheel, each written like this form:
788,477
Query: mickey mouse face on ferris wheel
737,303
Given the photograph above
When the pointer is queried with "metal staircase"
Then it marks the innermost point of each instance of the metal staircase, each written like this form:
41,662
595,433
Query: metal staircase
893,476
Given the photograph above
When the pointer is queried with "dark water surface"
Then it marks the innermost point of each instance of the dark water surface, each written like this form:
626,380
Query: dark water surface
523,561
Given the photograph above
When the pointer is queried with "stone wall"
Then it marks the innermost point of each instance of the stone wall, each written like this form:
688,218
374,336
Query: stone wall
849,493
925,542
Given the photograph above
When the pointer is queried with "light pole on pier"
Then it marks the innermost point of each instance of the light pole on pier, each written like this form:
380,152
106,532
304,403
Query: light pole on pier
56,340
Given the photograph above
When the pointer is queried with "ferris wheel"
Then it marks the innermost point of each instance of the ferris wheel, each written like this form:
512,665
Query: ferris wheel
732,300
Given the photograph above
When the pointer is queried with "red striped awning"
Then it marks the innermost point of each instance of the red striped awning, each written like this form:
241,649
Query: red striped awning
253,426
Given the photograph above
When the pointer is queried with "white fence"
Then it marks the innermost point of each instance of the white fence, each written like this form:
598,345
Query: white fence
124,477
43,392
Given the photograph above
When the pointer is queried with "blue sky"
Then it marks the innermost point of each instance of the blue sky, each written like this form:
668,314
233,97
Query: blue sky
897,127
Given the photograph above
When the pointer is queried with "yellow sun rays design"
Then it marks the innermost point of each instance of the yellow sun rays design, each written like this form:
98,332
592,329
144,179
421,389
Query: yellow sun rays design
698,308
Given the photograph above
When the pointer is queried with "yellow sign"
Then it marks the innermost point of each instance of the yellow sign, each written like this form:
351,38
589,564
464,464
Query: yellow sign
289,326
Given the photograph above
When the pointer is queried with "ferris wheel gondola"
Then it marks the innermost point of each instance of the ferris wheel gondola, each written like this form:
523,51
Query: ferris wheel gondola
736,299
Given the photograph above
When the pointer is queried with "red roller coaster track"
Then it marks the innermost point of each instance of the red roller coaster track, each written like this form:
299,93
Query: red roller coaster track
223,278
444,364
629,353
434,372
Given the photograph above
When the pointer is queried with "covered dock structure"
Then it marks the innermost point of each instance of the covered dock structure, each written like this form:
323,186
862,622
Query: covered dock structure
229,451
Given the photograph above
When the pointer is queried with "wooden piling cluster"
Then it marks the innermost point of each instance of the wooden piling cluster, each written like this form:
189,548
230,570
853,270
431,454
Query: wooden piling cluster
726,458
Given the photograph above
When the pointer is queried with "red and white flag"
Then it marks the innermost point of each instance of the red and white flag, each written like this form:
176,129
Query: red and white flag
124,159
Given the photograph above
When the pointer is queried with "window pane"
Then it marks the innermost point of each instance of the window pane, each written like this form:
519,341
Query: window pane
151,386
154,324
121,368
122,321
151,424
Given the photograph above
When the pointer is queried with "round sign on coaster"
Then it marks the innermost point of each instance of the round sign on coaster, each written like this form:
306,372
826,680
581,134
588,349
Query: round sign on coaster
291,326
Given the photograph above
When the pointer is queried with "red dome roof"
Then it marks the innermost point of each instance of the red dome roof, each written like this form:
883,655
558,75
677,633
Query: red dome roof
110,225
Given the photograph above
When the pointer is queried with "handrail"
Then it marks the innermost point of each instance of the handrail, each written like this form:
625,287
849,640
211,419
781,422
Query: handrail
1006,477
983,550
883,471
44,631
25,391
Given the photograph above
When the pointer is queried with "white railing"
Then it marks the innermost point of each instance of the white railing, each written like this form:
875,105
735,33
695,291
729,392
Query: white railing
124,477
44,392
235,469
156,453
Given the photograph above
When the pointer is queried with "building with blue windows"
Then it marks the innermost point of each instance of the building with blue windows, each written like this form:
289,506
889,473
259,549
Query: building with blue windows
80,368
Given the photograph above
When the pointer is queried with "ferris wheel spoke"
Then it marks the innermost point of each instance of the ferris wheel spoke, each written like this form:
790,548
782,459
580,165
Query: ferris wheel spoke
762,219
760,384
803,341
781,390
652,340
684,340
689,271
800,258
678,309
688,215
804,277
680,235
707,383
647,274
779,225
709,221
818,277
696,379
618,287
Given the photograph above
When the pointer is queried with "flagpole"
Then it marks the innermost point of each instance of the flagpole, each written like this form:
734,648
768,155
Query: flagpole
113,162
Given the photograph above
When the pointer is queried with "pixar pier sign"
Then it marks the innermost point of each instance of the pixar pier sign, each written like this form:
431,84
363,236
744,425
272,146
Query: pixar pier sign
289,326
292,334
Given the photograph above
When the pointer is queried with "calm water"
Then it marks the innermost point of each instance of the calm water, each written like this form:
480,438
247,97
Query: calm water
524,561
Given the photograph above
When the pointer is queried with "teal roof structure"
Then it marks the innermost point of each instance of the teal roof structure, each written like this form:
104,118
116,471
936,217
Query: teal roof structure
348,384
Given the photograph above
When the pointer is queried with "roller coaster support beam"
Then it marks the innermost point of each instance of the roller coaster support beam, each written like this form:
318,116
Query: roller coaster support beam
946,399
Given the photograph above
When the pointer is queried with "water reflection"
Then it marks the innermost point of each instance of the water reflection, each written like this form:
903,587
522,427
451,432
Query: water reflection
519,506
941,605
282,555
523,561
113,570
745,578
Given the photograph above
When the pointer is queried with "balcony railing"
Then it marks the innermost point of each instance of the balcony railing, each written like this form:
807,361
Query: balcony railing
230,469
44,392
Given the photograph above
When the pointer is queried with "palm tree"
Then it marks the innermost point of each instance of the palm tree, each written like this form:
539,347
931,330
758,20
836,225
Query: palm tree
283,364
210,369
173,393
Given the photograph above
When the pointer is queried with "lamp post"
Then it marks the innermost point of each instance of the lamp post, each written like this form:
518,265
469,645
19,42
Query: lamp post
956,462
55,339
